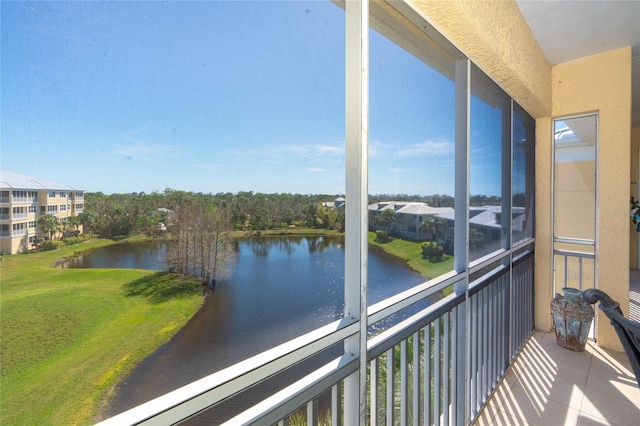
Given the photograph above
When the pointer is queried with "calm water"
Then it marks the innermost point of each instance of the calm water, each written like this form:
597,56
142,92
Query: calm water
281,288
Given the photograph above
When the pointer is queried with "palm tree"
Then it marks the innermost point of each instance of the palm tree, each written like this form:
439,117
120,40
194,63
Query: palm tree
433,224
49,224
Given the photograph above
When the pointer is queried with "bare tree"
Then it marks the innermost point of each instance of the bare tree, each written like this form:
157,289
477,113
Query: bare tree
201,247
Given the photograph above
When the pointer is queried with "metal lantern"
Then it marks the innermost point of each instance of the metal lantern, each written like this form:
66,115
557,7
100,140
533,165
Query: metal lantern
572,318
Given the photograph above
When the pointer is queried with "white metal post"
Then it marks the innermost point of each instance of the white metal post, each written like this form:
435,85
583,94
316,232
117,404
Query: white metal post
356,129
461,232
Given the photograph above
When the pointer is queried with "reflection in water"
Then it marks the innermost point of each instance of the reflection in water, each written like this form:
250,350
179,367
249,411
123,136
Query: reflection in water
282,287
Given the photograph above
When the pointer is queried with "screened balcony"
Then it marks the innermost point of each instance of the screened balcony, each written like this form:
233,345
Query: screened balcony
474,355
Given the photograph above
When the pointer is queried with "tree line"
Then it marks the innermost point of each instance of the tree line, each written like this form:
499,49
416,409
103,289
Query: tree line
124,214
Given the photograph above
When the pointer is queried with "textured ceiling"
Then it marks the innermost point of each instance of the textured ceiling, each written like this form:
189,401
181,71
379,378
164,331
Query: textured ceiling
568,30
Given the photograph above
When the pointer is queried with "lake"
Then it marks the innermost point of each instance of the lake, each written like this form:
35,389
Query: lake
282,287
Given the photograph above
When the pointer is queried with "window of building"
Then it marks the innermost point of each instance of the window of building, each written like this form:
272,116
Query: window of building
63,194
43,209
32,224
52,209
63,207
32,209
51,194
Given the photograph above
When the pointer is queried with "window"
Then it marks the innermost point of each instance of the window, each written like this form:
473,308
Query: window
51,194
43,209
63,194
79,206
523,192
52,209
32,209
19,229
63,207
411,137
32,224
490,141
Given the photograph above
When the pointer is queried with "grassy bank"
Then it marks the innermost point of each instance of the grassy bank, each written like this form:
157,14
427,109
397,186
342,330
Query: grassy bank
287,231
411,252
69,335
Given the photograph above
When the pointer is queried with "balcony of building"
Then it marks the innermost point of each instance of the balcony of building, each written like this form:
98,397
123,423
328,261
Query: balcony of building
475,355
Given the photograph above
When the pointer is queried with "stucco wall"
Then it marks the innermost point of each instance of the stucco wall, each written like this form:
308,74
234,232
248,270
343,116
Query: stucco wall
602,83
496,37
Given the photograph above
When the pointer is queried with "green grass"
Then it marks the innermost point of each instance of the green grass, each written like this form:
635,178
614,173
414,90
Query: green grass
69,335
411,252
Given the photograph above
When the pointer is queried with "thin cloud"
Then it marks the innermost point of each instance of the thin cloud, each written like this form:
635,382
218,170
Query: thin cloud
429,148
292,153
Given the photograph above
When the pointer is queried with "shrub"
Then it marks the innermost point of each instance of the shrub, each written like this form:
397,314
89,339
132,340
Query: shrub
77,239
51,244
382,236
432,251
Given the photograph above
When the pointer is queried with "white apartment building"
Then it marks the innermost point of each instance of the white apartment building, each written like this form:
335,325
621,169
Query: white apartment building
23,200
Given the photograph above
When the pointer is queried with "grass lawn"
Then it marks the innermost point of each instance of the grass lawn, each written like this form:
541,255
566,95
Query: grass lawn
69,335
411,252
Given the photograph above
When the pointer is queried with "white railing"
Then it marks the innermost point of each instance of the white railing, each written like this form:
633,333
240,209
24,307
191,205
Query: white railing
574,268
443,362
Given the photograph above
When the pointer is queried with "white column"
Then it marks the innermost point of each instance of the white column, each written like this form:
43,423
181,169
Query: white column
356,128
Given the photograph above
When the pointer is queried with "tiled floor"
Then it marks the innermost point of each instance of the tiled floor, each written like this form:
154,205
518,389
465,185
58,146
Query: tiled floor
634,295
550,385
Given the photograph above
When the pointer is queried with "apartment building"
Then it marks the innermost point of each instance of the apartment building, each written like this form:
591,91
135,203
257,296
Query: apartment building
23,200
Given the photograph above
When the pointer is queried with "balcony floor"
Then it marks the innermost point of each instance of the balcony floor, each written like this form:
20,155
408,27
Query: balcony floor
550,385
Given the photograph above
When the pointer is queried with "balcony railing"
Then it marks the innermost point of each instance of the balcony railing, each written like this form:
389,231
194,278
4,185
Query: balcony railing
21,200
574,268
437,366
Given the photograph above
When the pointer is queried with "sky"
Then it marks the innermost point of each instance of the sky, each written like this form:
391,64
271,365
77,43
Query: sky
214,96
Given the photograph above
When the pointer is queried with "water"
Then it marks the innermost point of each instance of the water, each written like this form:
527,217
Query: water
282,287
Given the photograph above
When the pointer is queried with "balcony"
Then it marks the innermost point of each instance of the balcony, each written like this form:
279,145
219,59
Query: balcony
551,385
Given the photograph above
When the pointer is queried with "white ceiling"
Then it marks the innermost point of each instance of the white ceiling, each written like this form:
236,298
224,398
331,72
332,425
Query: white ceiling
568,30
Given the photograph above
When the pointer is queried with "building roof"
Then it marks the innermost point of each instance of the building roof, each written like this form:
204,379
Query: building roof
13,180
410,207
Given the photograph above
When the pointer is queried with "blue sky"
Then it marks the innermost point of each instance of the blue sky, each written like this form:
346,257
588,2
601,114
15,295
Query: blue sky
210,96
